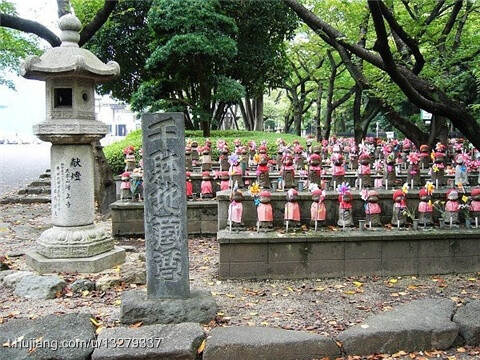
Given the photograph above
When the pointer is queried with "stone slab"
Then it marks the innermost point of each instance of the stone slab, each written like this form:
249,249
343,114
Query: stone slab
92,264
51,337
419,325
256,343
200,307
174,341
467,318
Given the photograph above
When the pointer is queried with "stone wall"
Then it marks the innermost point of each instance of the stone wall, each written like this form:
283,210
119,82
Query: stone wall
251,255
128,218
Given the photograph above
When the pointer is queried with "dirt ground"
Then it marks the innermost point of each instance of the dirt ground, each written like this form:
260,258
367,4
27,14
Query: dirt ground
323,306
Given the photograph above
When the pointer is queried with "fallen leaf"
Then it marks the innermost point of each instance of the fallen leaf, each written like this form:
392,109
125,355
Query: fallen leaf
393,281
230,295
461,350
136,325
201,347
349,292
357,283
99,330
95,322
118,302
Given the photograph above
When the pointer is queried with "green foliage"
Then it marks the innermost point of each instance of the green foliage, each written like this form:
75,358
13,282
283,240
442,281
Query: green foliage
16,46
116,159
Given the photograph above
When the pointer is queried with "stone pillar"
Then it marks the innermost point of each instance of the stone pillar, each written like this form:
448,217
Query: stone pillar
165,205
168,298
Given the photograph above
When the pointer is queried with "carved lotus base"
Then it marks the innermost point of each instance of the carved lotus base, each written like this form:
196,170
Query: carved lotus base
73,242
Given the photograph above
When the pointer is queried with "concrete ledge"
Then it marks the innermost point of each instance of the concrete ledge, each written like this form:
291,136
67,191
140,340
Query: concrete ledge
253,343
200,307
347,253
419,325
93,264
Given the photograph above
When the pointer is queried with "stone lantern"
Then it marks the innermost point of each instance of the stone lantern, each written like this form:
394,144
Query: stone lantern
74,243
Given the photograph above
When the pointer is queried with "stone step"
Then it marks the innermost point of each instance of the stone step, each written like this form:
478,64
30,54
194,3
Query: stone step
179,341
420,325
252,343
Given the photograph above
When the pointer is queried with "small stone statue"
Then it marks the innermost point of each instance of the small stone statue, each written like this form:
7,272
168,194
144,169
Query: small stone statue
364,179
338,170
318,211
425,208
461,171
292,210
125,193
372,209
206,189
188,158
288,172
438,167
399,206
195,154
452,207
315,170
389,174
236,174
130,162
206,159
244,159
475,205
424,156
136,184
223,158
413,171
299,158
354,157
345,217
189,185
224,180
263,172
279,158
235,211
265,212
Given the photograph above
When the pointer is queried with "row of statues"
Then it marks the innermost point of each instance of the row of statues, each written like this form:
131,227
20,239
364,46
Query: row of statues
449,210
325,165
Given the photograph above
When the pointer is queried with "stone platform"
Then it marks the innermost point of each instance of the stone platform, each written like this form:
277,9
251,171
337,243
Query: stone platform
128,218
328,254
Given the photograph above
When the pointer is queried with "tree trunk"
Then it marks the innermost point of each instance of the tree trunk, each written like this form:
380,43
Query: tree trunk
318,113
259,113
105,191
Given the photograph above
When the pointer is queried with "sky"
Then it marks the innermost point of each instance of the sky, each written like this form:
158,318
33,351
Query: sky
22,108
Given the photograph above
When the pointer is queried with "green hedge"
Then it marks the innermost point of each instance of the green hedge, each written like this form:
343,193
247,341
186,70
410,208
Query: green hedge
116,158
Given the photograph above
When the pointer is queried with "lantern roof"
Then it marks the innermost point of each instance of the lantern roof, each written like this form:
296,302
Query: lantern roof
69,59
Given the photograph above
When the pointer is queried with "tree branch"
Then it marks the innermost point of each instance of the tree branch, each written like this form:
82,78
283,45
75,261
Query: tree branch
407,39
409,10
97,22
29,26
449,25
461,24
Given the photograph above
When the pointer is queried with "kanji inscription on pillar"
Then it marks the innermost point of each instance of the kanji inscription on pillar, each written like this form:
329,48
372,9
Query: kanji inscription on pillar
165,205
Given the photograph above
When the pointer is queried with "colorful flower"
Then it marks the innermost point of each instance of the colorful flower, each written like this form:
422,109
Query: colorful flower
233,159
405,188
343,188
430,187
254,189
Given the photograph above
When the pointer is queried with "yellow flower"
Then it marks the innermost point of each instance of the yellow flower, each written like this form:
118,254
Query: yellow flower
430,187
254,188
464,198
429,202
405,188
256,158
